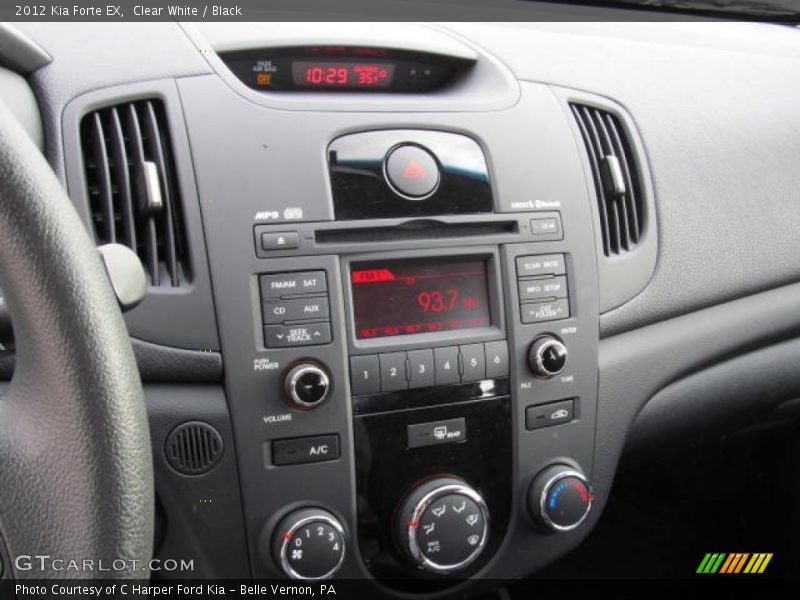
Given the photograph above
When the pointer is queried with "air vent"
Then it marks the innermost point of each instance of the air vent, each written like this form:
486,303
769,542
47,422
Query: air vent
193,448
616,177
133,192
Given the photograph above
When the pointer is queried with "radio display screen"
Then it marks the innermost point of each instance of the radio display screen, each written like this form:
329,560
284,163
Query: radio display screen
406,297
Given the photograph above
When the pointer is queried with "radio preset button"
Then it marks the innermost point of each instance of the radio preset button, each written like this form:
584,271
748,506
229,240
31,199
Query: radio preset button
420,366
473,363
446,365
298,309
545,264
539,289
393,371
365,375
496,359
293,284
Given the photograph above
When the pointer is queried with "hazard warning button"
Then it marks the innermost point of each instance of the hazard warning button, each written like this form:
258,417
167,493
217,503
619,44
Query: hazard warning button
412,172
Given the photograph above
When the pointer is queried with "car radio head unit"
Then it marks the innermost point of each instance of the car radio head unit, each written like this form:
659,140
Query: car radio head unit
411,296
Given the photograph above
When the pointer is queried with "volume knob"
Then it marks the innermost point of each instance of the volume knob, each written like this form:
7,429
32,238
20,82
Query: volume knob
547,356
306,385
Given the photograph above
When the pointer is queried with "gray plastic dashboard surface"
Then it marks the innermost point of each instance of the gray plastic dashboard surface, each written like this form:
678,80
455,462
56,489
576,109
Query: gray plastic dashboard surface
714,106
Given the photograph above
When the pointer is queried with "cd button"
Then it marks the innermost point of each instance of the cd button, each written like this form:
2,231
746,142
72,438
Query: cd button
412,171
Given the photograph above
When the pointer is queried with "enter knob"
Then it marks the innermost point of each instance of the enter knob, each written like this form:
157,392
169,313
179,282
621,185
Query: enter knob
547,356
306,385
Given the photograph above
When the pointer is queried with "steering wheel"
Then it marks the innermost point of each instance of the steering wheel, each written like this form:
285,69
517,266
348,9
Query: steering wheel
76,474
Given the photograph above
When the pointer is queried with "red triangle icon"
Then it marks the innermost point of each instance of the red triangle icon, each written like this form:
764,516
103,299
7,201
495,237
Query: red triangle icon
414,170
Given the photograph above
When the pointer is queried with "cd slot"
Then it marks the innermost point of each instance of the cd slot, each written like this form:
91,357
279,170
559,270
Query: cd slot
417,230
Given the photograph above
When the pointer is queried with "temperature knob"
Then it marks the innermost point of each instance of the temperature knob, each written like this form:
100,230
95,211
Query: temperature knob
560,498
547,356
309,544
443,525
306,385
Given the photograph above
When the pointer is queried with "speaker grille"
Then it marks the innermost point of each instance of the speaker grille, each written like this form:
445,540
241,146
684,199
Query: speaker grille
194,448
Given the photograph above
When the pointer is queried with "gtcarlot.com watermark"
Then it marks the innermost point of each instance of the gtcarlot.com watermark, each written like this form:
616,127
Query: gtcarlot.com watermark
47,563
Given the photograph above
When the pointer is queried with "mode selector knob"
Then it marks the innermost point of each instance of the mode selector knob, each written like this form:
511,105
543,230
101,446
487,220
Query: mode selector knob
443,525
306,385
560,498
547,356
309,544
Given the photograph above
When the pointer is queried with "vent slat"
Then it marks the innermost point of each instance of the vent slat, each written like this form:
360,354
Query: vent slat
595,166
123,179
151,250
157,152
102,171
616,178
132,187
620,201
630,181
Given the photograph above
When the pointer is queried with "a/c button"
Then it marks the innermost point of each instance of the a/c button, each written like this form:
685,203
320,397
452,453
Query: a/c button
305,450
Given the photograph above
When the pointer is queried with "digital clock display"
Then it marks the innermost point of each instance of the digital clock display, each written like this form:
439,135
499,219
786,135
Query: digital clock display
343,74
408,297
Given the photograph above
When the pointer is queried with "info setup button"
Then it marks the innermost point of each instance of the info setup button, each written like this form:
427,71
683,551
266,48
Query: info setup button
437,432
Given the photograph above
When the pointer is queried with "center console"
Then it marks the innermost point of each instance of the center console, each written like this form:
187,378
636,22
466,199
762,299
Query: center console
407,307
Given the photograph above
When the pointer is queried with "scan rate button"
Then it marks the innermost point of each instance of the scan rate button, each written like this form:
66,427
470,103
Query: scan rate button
412,172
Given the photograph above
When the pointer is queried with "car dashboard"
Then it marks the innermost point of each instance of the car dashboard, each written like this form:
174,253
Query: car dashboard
414,288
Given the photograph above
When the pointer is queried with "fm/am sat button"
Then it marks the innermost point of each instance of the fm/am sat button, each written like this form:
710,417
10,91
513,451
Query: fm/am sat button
437,432
293,284
305,450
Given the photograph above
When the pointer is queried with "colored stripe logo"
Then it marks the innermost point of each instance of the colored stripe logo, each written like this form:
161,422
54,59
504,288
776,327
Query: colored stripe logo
735,562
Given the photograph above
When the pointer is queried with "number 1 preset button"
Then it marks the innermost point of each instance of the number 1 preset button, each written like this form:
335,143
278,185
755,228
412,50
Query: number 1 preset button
365,375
